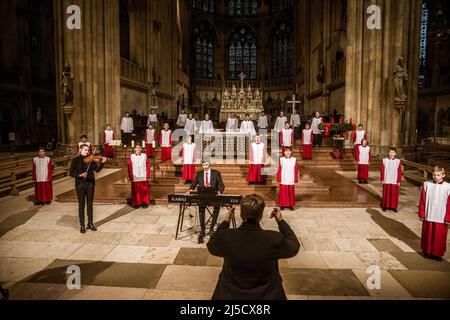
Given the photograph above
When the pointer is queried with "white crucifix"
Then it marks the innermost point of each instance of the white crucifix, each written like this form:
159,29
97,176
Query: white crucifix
294,102
242,77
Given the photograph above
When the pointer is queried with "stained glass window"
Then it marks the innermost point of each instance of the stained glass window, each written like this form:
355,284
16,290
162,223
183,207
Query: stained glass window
243,7
204,51
423,43
279,5
204,5
242,54
282,47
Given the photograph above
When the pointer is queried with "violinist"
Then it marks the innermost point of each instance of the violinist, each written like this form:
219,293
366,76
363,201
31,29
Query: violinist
82,169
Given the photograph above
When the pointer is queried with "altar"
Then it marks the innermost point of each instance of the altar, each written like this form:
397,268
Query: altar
241,102
221,147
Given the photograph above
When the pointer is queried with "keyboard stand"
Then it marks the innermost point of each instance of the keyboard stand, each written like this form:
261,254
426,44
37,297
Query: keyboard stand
183,207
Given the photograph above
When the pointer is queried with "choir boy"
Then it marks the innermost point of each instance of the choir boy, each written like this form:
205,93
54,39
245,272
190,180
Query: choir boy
357,137
434,211
127,128
286,137
190,127
316,121
181,121
295,124
150,141
263,123
232,123
364,155
258,155
391,177
287,177
165,142
189,158
139,173
42,177
247,126
206,125
280,122
108,135
307,137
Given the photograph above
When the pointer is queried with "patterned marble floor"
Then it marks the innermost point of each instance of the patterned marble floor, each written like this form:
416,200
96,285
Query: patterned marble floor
134,254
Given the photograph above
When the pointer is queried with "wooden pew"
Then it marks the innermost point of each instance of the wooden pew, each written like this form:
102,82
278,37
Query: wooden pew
19,177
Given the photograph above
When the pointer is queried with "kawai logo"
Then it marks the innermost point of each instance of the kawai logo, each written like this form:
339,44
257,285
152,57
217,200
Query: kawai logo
374,21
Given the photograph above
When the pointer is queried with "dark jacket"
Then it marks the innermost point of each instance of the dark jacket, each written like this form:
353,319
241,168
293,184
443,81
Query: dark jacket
215,179
250,270
78,167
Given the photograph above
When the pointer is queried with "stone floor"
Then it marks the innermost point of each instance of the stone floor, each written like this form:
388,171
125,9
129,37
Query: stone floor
134,254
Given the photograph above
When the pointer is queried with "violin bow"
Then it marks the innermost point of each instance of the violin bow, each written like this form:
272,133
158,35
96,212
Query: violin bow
90,162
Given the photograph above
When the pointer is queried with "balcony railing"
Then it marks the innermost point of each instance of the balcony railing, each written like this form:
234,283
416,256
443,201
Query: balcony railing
338,71
133,72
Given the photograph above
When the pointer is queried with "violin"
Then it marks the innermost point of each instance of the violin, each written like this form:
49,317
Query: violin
94,159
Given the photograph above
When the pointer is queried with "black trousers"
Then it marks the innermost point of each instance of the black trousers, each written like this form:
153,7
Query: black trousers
297,134
215,215
126,139
317,140
85,193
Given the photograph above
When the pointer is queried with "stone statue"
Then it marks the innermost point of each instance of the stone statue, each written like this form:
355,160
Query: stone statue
400,80
234,92
249,92
155,74
67,85
321,73
257,94
226,95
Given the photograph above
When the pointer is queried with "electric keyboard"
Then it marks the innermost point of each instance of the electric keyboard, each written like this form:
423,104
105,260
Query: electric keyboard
205,199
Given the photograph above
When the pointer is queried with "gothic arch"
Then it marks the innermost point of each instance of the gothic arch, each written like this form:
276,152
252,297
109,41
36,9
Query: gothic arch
204,43
282,43
242,53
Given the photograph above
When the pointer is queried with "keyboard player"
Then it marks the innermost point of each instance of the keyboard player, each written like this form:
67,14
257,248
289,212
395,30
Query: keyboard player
207,178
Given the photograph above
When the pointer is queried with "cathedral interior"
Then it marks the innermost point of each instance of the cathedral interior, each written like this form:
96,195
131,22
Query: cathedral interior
70,68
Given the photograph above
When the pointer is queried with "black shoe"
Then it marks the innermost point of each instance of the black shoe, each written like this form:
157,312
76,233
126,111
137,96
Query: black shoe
426,255
145,206
282,208
360,182
439,259
384,209
91,226
136,207
366,182
395,210
82,229
200,237
48,203
291,208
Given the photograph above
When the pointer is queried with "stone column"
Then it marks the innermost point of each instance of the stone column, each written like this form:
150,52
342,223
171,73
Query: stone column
94,54
371,57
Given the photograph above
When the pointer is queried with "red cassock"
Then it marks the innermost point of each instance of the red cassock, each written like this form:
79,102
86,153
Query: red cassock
139,173
108,135
307,137
258,155
390,176
357,137
189,156
42,177
150,139
287,176
363,159
434,208
165,141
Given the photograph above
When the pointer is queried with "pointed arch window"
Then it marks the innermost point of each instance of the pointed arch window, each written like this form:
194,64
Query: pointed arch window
279,5
282,51
204,51
204,5
242,54
243,7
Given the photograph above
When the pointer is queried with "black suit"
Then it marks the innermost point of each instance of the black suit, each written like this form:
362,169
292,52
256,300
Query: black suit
215,183
85,187
250,270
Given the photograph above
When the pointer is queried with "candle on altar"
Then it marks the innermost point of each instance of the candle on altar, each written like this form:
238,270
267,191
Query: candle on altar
132,143
143,143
